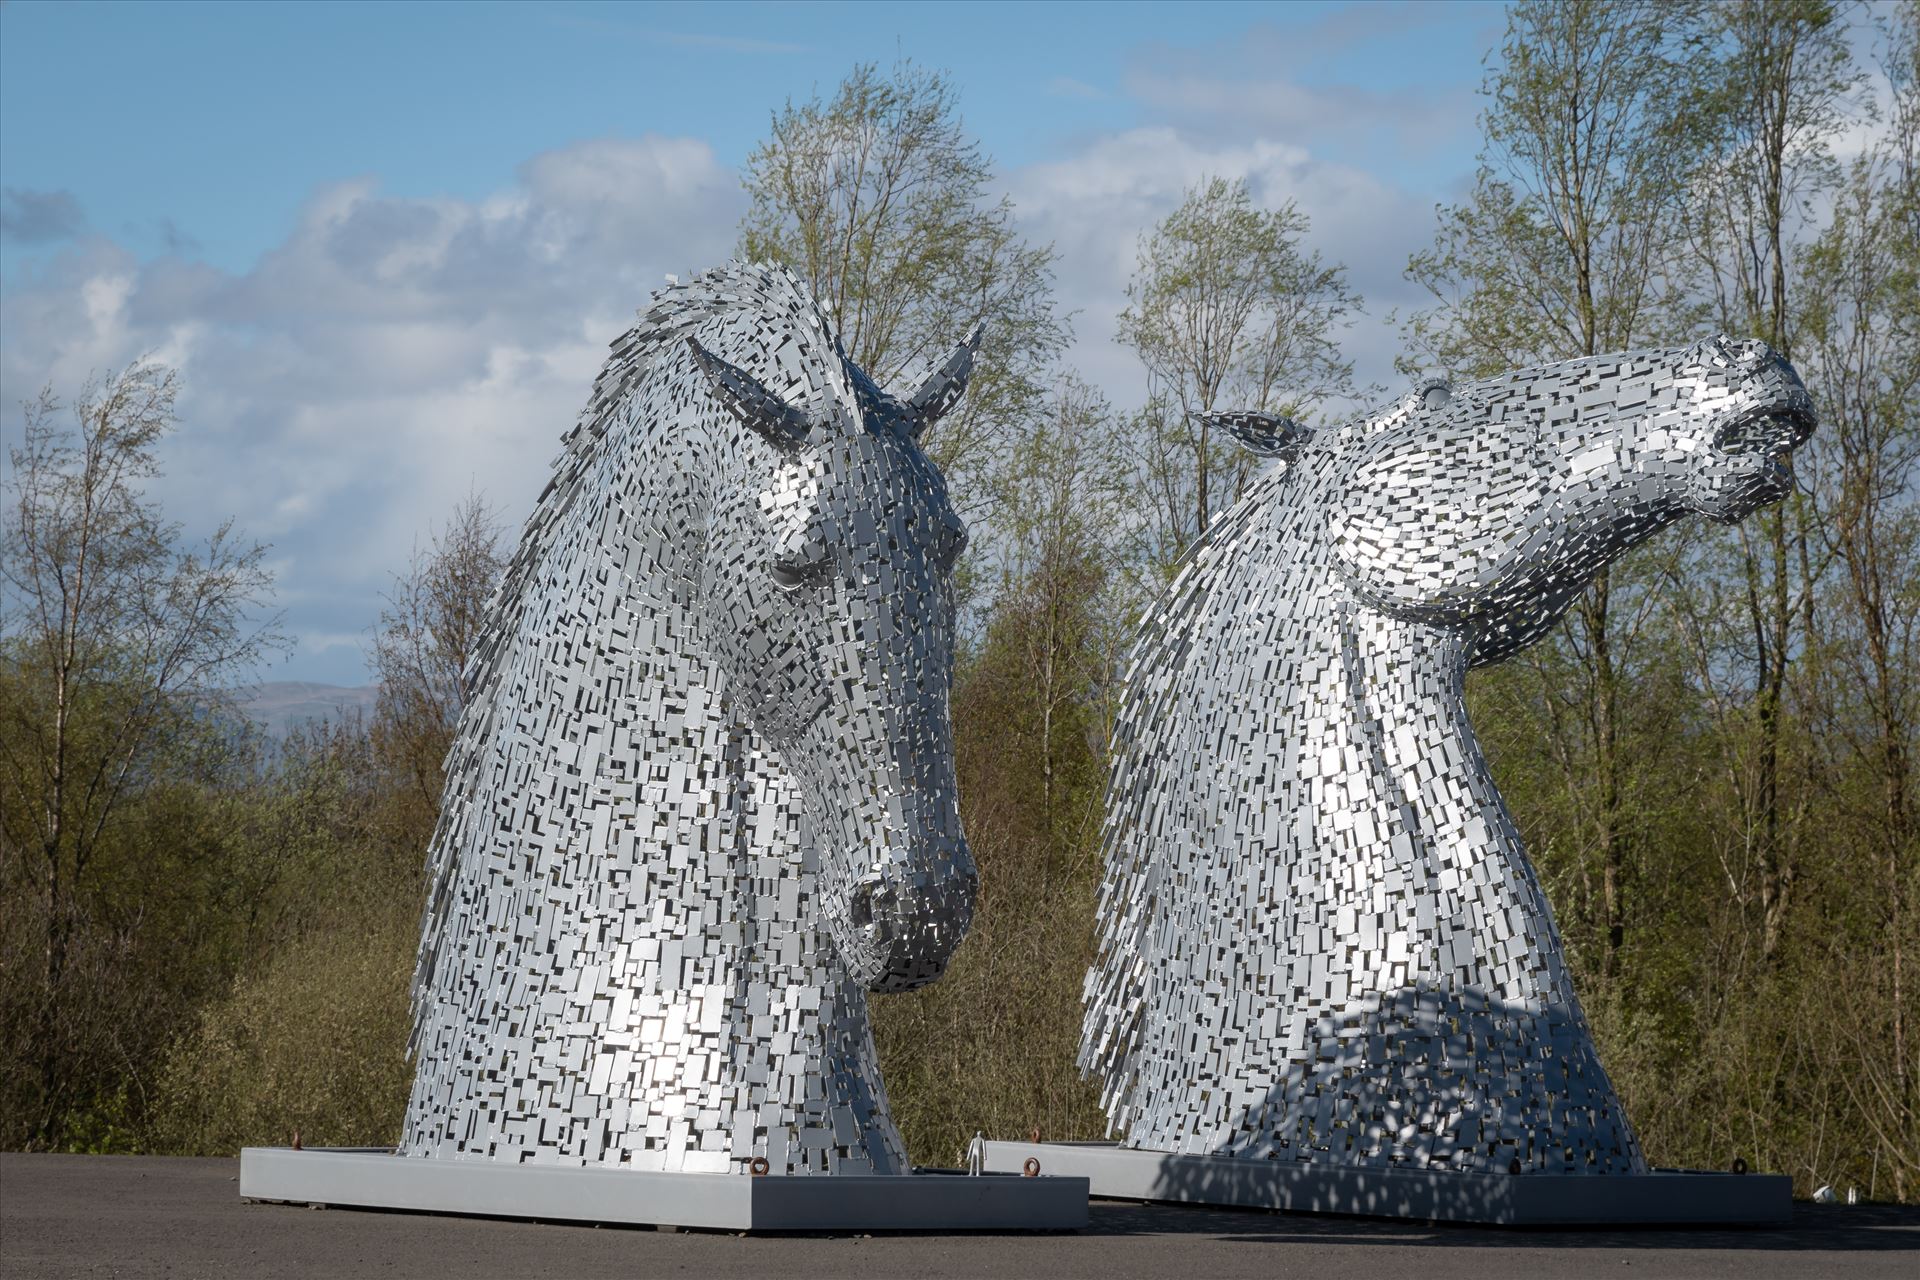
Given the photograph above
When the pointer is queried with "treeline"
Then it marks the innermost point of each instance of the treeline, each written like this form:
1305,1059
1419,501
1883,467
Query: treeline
207,937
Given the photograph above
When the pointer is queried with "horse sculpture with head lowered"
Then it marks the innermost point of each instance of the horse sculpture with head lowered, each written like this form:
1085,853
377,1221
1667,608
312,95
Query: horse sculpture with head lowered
1320,936
702,799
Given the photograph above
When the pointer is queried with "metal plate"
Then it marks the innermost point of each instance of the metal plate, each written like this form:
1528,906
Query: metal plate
1663,1197
375,1179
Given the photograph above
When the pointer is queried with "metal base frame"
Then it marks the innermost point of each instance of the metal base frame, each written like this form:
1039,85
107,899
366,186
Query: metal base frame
1665,1197
379,1179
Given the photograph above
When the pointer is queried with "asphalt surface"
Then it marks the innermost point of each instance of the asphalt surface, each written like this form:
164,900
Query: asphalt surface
136,1216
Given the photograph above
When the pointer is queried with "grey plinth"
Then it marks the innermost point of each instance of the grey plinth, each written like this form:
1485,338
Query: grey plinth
378,1179
1661,1197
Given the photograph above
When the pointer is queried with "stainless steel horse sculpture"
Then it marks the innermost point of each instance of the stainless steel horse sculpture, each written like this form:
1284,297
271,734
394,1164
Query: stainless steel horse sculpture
702,796
1320,936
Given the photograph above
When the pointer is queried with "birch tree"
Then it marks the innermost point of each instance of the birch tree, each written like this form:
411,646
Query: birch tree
1228,309
884,205
118,640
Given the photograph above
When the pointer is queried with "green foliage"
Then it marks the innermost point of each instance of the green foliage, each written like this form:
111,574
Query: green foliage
882,204
1712,764
314,1044
310,1034
1227,309
114,852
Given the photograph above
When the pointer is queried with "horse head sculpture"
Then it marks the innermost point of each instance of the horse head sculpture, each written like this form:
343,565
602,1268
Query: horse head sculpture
702,797
1320,935
826,596
1499,500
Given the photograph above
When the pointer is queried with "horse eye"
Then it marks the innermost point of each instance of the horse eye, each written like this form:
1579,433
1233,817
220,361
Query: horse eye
791,575
953,540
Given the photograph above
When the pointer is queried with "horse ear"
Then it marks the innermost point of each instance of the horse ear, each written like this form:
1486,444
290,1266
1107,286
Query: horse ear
1280,438
945,385
758,409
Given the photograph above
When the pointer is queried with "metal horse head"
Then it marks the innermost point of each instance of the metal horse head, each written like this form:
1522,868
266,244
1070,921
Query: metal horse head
826,591
1491,503
1320,936
702,795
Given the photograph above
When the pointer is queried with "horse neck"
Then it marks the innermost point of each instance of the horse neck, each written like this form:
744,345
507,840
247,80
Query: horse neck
748,937
1404,772
1354,795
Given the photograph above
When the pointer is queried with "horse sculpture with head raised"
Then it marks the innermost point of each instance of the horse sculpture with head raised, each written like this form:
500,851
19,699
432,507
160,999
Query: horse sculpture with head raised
1320,936
702,798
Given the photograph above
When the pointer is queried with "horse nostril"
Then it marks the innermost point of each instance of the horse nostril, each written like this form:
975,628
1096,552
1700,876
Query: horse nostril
871,904
1765,433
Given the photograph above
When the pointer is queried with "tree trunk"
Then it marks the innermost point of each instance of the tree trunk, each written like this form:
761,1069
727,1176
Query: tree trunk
1610,821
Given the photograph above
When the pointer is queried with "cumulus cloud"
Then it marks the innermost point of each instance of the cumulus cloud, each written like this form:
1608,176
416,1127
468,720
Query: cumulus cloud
39,217
389,356
1095,204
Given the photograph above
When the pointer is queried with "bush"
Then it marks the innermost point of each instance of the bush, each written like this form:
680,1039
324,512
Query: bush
313,1044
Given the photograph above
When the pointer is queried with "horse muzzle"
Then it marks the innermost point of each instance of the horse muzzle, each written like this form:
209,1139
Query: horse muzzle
902,925
1750,463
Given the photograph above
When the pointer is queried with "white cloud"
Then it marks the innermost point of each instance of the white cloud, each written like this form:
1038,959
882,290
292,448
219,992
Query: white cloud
1094,205
390,355
1270,82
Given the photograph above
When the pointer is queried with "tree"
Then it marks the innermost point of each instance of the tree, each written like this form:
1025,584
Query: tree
1065,574
117,642
308,1032
311,1033
881,203
1777,102
1858,334
1227,309
426,634
1564,249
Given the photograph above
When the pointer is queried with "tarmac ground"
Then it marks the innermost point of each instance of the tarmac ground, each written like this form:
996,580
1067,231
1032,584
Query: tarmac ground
141,1216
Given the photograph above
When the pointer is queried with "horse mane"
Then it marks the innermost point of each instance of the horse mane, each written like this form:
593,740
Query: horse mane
673,314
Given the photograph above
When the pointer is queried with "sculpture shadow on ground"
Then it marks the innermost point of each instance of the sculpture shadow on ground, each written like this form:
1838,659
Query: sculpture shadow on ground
1321,940
1871,1228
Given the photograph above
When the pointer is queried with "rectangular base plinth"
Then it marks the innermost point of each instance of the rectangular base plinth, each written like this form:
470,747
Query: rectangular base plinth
375,1179
1663,1197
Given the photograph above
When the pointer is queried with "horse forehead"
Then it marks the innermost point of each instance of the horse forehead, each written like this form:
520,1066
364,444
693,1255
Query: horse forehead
882,469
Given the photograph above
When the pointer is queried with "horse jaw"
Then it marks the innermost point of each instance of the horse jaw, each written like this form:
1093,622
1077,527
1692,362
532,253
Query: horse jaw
897,879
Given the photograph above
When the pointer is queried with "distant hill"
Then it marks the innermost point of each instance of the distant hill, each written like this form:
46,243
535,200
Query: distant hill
279,706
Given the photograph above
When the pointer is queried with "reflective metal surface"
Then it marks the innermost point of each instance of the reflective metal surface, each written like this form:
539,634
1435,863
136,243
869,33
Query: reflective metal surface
1320,936
702,795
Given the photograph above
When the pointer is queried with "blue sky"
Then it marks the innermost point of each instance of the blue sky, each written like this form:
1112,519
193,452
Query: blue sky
387,244
213,122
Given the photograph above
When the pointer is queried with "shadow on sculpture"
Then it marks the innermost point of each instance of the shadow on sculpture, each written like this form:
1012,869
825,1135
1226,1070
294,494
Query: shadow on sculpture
701,799
1321,940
